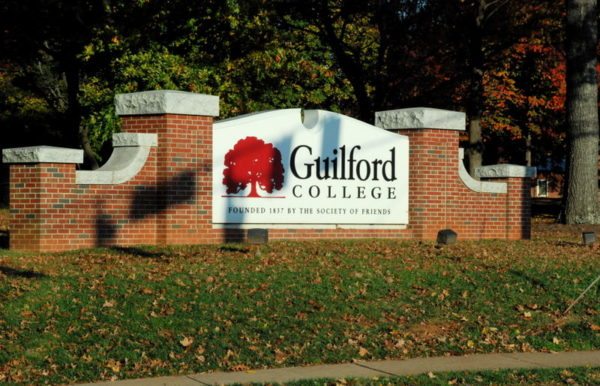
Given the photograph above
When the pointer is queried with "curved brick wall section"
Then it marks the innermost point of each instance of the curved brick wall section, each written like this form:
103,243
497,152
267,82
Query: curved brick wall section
169,200
439,199
50,212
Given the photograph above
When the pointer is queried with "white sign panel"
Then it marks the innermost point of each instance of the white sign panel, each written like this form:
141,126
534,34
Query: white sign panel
276,168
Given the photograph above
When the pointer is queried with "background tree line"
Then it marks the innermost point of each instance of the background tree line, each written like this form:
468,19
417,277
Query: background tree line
501,61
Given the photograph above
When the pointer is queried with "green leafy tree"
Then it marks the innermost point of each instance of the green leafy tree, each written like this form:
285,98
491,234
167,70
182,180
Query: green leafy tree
86,52
50,55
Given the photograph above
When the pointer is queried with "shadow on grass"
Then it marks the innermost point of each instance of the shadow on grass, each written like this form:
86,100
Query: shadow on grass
532,280
28,274
234,248
140,252
561,243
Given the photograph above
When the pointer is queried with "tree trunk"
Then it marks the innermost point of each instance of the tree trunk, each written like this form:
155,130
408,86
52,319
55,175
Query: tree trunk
475,96
74,114
348,63
253,190
582,113
475,150
528,150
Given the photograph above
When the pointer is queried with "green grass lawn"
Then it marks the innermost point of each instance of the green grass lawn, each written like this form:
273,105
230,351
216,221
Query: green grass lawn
139,312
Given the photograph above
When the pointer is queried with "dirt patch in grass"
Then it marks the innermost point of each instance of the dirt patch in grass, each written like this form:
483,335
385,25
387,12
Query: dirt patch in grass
433,330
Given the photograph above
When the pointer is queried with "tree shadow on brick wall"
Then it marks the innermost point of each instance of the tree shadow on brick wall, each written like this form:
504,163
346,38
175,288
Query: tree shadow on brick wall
4,239
106,228
232,235
149,200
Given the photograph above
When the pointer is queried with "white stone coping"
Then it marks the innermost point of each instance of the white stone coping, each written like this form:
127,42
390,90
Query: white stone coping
473,184
134,139
42,154
127,160
421,118
506,171
167,102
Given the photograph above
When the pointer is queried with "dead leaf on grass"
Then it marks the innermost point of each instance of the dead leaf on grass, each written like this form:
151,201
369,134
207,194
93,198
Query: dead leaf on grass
109,304
114,365
280,356
186,341
363,352
240,368
555,340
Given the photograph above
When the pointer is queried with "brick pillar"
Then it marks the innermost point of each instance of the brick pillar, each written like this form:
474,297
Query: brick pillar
518,200
519,208
40,178
183,122
433,160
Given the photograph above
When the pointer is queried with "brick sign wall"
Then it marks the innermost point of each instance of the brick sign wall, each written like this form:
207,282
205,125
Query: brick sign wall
157,187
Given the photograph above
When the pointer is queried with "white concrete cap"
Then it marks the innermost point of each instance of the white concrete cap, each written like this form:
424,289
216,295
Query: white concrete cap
42,154
421,118
505,171
167,102
130,153
134,139
475,185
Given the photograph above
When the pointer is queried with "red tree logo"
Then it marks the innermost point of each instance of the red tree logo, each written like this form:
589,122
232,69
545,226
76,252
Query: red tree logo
254,162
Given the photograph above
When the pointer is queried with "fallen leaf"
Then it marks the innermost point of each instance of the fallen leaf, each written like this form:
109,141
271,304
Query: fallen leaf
555,340
363,351
431,375
280,356
240,368
186,342
115,366
109,304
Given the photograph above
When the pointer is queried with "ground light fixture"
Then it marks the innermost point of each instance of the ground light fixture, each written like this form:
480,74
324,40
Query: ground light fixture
446,237
258,236
589,238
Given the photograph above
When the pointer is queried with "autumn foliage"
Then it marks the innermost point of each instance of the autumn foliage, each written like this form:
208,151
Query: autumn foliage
254,162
